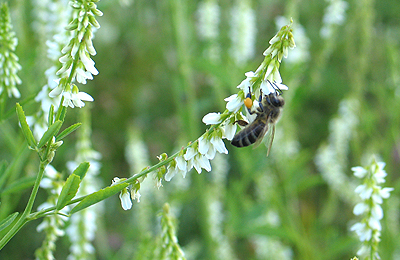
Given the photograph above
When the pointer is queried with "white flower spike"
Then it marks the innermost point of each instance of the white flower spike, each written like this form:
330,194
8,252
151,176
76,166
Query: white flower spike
372,195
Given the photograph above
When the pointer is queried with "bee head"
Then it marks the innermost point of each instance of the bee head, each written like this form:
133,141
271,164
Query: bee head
276,99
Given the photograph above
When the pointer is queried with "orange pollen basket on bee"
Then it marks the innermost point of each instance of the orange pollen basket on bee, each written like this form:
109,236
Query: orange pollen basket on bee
248,102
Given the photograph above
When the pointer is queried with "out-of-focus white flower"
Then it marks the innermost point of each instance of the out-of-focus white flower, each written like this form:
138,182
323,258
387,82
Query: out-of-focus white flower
243,32
368,229
359,171
335,14
208,19
9,65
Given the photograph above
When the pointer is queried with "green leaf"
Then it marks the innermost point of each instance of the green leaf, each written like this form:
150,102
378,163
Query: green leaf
8,220
51,115
82,169
25,127
67,131
3,167
68,191
99,196
19,185
50,132
62,111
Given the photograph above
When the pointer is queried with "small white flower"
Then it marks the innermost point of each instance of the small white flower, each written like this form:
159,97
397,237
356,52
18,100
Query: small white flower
56,91
385,192
374,224
211,152
246,83
360,208
199,161
267,87
379,173
212,119
229,131
359,171
88,62
364,191
377,212
363,232
171,172
135,195
176,167
190,153
181,163
218,144
125,198
204,145
234,103
74,98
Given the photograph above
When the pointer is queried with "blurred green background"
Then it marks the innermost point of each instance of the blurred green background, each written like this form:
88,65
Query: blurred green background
163,67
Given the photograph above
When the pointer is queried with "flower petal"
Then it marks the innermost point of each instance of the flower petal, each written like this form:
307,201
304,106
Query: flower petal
212,118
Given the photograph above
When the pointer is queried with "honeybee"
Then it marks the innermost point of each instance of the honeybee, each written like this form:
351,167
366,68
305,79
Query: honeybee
268,113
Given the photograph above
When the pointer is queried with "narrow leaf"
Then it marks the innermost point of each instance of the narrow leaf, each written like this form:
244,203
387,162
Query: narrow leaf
67,131
51,115
99,196
8,220
68,191
50,132
81,170
25,127
19,185
3,167
62,111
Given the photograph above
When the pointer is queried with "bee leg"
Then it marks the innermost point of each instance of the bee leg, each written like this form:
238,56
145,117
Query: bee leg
268,100
241,122
260,105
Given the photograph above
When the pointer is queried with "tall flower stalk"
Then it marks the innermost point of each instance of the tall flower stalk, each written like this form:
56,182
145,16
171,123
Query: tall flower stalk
372,194
9,65
76,62
77,66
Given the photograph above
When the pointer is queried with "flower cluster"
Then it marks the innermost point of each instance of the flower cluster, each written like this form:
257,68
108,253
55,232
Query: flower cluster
76,62
208,14
243,32
335,14
9,65
372,195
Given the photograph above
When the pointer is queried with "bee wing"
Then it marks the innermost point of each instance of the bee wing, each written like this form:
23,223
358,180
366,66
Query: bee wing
261,136
271,138
269,131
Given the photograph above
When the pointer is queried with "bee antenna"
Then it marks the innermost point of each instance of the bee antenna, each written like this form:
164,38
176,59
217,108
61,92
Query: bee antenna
276,87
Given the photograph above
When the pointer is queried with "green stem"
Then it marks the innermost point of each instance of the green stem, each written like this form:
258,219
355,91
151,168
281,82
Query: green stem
24,217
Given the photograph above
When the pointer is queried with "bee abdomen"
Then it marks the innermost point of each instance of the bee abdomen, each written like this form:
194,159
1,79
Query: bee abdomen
248,136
